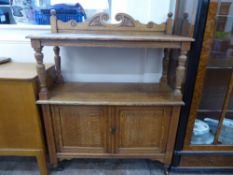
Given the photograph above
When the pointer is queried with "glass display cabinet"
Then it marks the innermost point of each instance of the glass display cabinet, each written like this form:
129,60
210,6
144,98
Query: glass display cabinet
208,141
211,113
213,124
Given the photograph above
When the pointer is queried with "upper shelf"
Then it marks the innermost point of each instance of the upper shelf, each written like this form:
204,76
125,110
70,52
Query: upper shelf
116,37
111,40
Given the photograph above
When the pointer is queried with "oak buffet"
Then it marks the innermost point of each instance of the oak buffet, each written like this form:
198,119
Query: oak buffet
107,120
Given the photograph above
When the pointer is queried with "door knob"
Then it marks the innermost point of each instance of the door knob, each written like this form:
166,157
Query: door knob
113,131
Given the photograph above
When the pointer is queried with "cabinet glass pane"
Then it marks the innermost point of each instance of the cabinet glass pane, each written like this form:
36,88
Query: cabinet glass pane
222,49
225,7
212,100
216,82
226,136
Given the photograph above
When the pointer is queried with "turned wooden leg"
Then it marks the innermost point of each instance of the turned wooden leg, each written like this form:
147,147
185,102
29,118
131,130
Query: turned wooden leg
163,80
41,161
44,94
180,71
57,59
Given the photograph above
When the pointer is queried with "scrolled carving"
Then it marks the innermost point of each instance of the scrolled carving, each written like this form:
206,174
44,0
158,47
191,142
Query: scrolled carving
99,19
125,20
150,25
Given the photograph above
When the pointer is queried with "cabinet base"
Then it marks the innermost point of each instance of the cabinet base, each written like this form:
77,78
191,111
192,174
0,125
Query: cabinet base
81,131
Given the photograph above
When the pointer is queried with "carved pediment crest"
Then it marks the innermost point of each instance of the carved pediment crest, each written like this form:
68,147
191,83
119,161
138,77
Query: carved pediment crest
100,22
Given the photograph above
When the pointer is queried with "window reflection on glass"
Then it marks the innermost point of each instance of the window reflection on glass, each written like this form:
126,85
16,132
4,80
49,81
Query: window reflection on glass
202,133
209,113
144,10
222,52
226,134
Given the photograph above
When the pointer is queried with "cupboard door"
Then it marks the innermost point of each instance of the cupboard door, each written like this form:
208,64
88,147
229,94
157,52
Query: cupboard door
80,129
142,130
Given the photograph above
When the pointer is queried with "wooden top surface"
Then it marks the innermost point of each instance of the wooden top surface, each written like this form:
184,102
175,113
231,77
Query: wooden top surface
19,71
113,37
112,94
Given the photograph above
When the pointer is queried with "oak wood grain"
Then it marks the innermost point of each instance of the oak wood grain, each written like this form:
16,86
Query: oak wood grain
112,37
112,94
57,60
80,129
50,136
98,23
207,161
141,130
175,113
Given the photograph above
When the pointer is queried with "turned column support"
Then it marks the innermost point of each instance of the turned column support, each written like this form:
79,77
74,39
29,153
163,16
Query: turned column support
41,71
181,69
163,80
57,60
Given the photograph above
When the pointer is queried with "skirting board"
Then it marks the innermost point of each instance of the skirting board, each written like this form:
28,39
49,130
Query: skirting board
191,170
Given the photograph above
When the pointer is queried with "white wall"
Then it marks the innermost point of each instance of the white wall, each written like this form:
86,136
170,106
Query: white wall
144,10
88,64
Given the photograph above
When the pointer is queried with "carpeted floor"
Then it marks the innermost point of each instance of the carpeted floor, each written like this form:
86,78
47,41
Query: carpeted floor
28,166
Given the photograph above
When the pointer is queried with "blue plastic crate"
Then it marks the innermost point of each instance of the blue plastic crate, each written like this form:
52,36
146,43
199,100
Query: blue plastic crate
64,13
44,19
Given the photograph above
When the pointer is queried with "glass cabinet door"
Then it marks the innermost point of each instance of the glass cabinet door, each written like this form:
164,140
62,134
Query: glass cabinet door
214,121
226,130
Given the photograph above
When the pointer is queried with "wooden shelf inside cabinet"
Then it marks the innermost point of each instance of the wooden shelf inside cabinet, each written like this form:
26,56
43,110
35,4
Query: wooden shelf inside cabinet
213,111
220,63
211,67
128,94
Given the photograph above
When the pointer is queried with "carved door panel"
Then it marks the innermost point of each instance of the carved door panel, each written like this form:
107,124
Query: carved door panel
80,129
142,130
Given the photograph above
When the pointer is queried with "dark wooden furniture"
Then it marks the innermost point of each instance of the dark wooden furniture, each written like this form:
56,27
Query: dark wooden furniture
104,120
20,123
212,97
